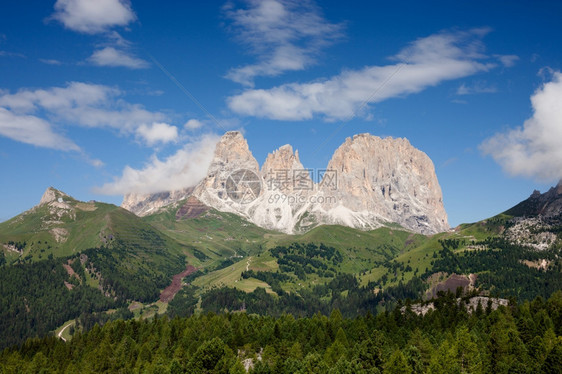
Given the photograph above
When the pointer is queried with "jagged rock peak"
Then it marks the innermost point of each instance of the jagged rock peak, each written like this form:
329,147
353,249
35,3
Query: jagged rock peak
282,158
232,146
51,194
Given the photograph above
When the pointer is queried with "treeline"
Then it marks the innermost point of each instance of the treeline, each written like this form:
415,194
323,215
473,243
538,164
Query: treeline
500,268
343,292
515,339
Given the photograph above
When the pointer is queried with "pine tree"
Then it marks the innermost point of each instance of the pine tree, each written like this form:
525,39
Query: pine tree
397,364
553,362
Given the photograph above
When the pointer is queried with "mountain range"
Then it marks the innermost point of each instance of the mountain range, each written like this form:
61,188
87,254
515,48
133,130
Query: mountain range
68,262
369,182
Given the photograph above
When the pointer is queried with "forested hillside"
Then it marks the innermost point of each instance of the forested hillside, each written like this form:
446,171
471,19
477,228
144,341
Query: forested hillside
522,338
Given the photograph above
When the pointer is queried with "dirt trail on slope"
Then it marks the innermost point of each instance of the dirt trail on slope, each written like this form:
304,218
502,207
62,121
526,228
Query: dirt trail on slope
64,328
171,291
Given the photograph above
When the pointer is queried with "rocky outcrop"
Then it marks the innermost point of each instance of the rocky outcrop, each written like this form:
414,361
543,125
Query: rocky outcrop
470,304
546,205
369,182
146,204
192,208
51,195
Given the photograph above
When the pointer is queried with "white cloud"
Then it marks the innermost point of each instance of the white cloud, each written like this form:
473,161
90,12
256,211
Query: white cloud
507,60
475,88
534,150
33,130
83,104
93,16
193,124
109,56
286,35
78,103
158,133
11,54
49,61
424,63
186,167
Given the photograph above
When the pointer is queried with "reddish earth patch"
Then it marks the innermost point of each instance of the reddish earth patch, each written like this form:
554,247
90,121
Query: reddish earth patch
70,270
451,284
192,208
171,291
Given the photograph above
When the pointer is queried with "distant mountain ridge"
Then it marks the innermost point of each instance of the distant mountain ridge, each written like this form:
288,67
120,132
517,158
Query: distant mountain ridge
369,182
548,204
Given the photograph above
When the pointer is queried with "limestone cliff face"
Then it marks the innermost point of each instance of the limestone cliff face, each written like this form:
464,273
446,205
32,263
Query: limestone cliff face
383,180
231,154
286,189
146,204
369,182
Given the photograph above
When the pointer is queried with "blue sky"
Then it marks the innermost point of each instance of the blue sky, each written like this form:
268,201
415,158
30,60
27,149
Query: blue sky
102,97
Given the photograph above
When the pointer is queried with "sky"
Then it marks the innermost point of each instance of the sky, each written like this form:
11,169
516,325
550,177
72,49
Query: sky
99,98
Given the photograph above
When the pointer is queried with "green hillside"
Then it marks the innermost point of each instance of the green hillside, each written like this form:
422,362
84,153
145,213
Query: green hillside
123,260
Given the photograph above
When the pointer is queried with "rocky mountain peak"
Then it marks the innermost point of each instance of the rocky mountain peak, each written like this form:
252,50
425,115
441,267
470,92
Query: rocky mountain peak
282,159
387,179
52,194
546,205
233,147
372,182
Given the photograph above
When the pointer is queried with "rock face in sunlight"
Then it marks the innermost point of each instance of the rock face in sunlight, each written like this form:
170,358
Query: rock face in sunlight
385,180
368,183
146,204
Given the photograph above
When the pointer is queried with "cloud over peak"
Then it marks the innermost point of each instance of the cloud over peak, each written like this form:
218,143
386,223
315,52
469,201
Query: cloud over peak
187,167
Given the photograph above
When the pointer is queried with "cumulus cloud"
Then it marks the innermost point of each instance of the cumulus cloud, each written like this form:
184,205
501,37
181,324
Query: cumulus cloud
193,124
535,149
83,104
33,130
186,167
110,56
158,133
92,17
424,63
285,35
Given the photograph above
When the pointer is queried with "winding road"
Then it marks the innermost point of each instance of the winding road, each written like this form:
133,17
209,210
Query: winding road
64,328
